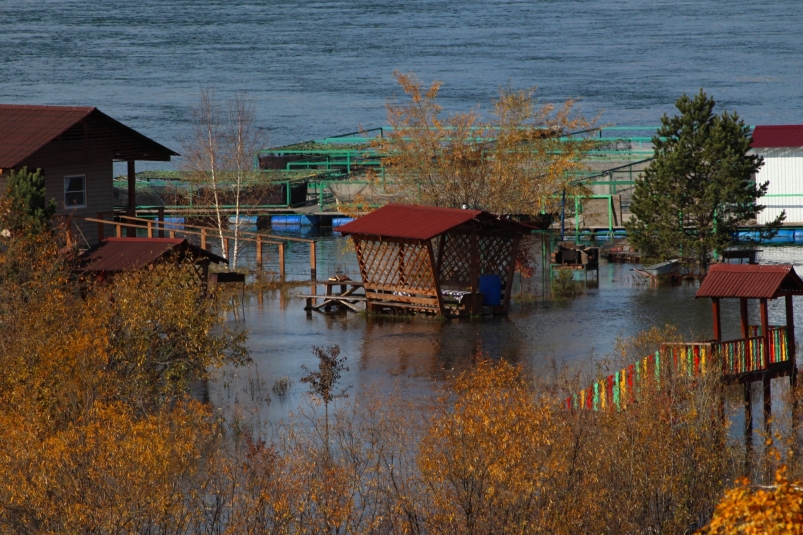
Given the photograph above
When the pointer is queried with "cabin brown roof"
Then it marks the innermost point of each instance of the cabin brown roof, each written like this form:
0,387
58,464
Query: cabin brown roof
750,281
778,136
131,254
419,222
26,129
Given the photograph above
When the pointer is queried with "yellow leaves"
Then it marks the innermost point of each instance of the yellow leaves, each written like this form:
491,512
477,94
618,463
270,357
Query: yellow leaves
517,163
773,510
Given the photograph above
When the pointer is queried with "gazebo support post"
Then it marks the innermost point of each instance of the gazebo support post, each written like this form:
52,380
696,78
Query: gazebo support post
131,232
436,278
765,330
790,348
511,271
744,320
748,426
765,358
717,324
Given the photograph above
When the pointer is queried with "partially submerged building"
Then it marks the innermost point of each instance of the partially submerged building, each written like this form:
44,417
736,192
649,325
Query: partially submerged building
781,146
75,148
116,255
443,261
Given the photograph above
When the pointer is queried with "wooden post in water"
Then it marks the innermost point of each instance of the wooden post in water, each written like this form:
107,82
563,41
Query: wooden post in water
161,218
172,233
313,268
790,348
226,249
748,426
101,227
203,238
281,261
119,230
150,229
767,404
259,253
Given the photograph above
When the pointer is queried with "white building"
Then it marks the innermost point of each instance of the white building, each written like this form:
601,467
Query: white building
782,149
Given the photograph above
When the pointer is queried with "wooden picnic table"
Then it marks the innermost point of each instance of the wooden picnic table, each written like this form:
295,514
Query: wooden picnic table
346,297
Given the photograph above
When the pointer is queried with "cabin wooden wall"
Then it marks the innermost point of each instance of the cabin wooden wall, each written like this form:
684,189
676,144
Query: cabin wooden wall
74,153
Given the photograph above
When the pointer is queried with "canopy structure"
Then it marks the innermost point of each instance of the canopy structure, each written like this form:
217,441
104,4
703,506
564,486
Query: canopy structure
443,261
750,282
746,281
114,255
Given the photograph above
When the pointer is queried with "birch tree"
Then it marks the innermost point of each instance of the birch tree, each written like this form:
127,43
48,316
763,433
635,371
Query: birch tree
218,153
242,141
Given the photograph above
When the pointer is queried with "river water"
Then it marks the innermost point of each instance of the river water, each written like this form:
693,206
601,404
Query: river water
414,356
317,68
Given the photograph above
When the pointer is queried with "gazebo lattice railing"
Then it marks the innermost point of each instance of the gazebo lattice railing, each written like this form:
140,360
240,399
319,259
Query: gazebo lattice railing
398,269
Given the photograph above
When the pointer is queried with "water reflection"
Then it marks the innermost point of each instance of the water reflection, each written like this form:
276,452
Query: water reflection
413,355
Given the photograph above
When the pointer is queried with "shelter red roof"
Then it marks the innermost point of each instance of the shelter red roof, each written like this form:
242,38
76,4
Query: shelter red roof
750,281
417,222
130,254
778,136
25,129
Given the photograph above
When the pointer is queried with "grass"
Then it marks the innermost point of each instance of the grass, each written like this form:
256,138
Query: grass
563,284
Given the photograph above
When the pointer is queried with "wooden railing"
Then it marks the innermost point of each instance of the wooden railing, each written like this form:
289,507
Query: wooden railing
157,228
734,358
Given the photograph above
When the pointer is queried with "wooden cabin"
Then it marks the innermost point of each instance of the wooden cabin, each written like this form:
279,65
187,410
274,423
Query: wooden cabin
114,255
443,261
75,148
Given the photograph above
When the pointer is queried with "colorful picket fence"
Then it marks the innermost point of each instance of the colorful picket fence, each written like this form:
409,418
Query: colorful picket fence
736,357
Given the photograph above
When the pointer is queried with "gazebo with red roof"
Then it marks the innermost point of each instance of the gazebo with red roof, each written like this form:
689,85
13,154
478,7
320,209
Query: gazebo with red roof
763,352
444,261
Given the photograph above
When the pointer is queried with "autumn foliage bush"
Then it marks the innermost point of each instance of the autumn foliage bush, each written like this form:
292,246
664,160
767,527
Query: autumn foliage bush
99,434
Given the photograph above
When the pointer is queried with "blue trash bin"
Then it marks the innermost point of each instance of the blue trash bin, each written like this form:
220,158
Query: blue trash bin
491,287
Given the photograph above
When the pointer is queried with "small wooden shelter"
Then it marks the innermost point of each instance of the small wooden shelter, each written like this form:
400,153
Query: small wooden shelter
764,351
114,255
443,261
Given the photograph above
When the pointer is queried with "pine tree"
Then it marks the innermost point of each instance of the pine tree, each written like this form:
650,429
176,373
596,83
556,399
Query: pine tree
699,187
28,208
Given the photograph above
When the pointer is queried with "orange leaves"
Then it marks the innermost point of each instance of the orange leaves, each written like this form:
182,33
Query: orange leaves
487,454
96,433
108,470
774,510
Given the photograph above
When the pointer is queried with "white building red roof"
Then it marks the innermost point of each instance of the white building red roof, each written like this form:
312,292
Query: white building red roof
778,136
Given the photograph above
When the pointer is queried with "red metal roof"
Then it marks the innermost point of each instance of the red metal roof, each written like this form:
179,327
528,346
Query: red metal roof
26,129
130,254
418,222
778,136
750,281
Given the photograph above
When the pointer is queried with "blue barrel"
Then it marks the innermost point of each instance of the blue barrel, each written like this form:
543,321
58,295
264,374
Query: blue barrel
784,236
491,287
798,235
338,221
285,220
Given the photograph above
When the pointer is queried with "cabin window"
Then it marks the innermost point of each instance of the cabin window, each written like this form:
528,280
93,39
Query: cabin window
75,191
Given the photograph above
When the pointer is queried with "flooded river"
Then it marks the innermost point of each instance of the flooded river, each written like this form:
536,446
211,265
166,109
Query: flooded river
414,355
